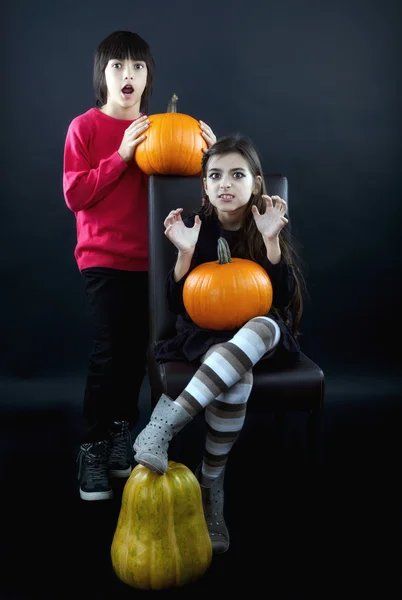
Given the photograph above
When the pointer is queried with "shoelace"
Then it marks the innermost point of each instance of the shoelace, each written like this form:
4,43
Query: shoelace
119,447
93,464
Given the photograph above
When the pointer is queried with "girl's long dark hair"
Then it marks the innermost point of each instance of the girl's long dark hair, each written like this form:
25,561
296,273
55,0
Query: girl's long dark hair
251,244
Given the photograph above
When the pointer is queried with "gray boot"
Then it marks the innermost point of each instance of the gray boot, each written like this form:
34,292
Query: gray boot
152,443
213,502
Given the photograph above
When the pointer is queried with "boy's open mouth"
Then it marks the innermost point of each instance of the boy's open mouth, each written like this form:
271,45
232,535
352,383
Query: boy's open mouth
127,91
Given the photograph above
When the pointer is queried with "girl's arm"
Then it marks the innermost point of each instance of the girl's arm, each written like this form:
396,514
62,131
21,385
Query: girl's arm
186,261
83,185
279,272
174,293
274,253
270,224
174,286
182,266
281,277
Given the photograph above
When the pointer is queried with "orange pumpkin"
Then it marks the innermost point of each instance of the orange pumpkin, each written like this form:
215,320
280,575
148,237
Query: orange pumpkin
225,294
173,145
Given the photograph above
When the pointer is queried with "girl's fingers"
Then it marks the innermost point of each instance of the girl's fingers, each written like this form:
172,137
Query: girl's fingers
280,204
171,218
268,200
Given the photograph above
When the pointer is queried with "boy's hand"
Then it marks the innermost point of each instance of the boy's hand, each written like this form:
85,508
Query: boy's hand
208,135
133,135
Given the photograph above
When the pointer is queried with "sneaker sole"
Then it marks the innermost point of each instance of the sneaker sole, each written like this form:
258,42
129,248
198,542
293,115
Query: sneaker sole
120,473
91,496
145,463
150,467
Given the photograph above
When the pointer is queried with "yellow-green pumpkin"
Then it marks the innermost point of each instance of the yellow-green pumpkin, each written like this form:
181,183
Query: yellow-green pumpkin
161,538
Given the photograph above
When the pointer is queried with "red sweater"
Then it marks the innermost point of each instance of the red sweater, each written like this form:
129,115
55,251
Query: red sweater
108,196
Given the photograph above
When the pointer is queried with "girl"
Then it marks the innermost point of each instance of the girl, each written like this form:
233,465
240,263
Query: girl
108,194
235,206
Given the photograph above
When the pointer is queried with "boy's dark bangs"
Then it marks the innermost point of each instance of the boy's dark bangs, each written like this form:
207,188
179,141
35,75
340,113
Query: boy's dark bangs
122,50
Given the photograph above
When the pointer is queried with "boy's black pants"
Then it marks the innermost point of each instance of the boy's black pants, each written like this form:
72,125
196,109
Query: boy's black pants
118,311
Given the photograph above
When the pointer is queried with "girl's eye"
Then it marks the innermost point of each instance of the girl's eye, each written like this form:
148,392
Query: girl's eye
214,175
238,175
139,66
116,65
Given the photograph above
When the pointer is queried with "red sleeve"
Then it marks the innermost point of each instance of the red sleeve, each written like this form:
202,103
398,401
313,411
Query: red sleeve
83,185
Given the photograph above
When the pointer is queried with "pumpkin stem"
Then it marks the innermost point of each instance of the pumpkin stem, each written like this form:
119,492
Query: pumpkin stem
224,255
172,104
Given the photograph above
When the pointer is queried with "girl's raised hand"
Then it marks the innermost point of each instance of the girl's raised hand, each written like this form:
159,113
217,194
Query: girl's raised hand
271,222
183,237
208,135
133,135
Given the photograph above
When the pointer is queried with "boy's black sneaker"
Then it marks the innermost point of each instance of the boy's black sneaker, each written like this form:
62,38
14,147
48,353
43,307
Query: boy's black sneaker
121,455
93,471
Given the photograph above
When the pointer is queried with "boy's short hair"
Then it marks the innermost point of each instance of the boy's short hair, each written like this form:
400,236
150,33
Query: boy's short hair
122,45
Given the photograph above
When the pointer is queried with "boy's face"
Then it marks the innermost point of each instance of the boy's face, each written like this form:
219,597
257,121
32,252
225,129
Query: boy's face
125,81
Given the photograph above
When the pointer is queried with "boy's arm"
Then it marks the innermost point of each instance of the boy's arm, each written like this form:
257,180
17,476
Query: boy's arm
84,186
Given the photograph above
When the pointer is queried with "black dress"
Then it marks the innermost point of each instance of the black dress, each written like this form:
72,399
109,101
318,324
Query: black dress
191,341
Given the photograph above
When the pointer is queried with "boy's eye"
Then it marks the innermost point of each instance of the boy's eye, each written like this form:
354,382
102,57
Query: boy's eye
137,66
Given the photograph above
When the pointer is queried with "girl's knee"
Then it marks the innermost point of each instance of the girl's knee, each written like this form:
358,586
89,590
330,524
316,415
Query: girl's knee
267,329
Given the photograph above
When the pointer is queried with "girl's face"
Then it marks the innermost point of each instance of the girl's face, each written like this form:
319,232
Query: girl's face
229,183
125,80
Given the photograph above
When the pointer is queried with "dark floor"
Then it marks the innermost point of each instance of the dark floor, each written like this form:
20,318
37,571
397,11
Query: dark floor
338,535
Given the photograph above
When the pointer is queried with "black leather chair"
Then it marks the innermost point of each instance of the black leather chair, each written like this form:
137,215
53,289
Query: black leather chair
298,388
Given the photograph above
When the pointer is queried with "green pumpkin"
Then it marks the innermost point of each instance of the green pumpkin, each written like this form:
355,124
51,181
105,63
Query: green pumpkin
161,538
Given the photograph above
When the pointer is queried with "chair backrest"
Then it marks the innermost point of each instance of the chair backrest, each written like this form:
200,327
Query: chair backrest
166,193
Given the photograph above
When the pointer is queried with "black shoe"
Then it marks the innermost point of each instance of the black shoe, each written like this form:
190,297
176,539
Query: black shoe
93,471
121,456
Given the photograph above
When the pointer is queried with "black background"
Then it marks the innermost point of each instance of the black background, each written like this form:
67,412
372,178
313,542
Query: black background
316,86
